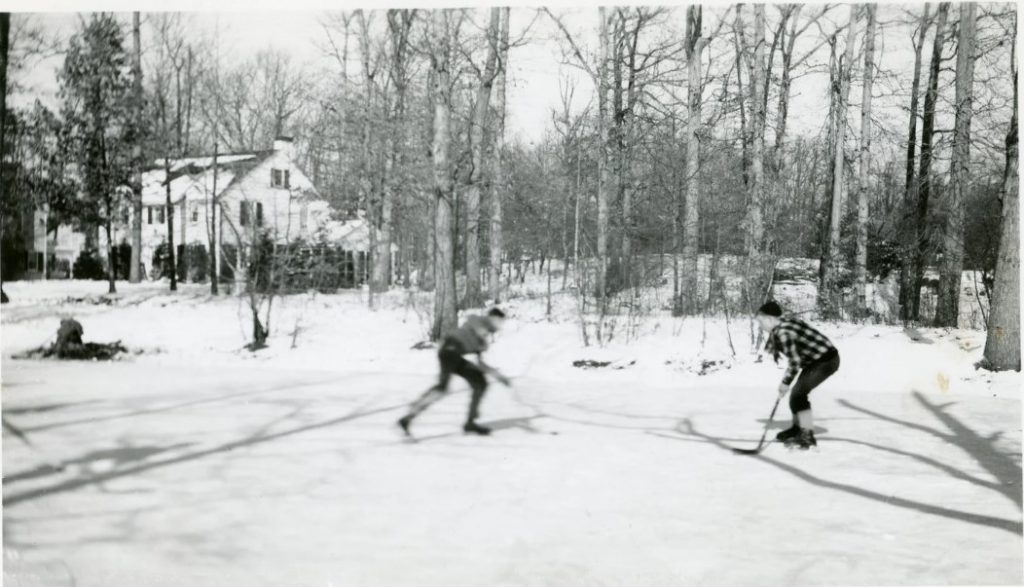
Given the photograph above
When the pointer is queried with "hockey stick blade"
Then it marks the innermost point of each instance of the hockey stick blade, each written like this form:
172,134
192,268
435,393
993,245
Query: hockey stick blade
761,444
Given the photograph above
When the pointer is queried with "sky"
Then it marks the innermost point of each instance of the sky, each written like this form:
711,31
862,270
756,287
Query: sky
536,67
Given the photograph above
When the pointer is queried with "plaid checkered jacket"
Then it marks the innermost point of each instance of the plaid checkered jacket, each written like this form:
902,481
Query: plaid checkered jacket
800,342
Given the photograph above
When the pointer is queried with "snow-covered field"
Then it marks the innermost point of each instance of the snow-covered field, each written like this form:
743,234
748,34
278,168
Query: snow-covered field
198,463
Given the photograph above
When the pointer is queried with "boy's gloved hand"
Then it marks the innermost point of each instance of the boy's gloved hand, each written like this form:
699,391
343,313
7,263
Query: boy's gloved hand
783,388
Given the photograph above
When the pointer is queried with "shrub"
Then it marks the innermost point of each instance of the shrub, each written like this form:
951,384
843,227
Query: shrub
88,266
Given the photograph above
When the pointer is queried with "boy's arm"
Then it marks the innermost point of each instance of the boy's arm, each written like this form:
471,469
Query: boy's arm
488,369
789,347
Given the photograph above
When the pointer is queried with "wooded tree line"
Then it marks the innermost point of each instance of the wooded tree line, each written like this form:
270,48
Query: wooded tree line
676,142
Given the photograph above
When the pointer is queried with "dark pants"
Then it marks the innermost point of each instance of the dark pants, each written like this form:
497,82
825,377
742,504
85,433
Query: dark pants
810,377
453,363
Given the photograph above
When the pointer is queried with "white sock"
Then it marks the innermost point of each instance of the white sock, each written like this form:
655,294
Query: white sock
806,419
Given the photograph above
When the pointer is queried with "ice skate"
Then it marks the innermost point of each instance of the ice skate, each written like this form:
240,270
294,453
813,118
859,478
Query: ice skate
474,428
806,440
789,435
404,423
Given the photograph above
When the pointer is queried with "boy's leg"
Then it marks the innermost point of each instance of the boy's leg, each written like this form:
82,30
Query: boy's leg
432,395
478,382
809,379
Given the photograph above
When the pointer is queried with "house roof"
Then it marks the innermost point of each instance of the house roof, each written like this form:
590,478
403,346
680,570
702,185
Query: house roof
193,176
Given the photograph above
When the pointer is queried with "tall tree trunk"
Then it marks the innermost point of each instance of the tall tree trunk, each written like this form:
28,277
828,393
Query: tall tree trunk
134,275
909,231
740,45
785,85
108,201
212,218
474,294
863,196
924,181
169,212
445,311
1002,342
179,130
757,280
691,188
947,310
498,172
620,268
5,43
370,192
188,104
828,289
184,239
603,175
399,22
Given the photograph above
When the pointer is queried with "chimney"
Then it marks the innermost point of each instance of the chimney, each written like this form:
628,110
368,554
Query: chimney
285,145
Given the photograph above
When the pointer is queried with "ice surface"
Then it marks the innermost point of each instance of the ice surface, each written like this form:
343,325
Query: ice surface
198,463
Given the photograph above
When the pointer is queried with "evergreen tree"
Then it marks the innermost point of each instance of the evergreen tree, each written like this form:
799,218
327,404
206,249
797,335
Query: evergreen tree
95,87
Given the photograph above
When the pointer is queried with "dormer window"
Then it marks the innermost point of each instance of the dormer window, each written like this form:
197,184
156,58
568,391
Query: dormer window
279,178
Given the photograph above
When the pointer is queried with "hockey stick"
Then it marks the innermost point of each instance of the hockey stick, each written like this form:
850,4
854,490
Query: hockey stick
760,445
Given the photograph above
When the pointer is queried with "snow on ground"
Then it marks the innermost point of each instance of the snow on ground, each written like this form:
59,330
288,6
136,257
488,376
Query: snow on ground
199,463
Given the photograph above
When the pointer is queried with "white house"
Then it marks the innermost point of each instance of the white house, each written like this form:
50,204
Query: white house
245,194
51,254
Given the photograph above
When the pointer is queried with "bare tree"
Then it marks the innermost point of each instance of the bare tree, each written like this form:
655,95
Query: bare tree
498,184
474,296
827,289
757,276
691,185
441,44
947,310
1002,342
603,161
908,234
399,25
924,179
367,173
863,197
134,275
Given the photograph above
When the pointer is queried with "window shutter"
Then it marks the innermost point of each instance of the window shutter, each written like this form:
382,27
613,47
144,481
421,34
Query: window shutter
287,180
243,214
259,214
149,215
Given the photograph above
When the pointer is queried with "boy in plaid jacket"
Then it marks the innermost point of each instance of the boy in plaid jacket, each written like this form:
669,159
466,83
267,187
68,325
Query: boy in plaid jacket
812,359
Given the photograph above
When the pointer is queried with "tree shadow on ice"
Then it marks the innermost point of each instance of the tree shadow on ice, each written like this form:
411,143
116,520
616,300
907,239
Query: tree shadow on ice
174,406
262,436
687,428
118,457
42,408
982,449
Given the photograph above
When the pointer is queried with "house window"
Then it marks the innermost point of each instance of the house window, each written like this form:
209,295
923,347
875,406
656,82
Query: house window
195,213
280,178
303,218
259,214
243,214
159,216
